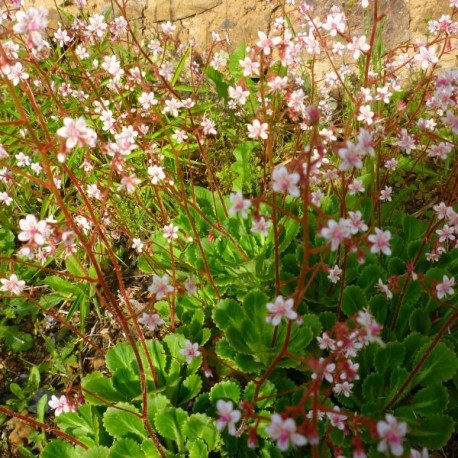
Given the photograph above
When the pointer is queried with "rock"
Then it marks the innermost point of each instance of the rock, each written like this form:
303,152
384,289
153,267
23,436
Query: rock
241,19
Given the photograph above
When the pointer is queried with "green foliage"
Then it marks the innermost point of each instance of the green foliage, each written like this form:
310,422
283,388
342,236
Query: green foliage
171,283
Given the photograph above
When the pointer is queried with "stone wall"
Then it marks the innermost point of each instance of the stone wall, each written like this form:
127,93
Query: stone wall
241,19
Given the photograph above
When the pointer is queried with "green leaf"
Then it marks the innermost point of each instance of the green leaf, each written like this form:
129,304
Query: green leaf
180,67
96,452
124,423
170,422
440,366
373,387
379,307
156,403
150,449
353,300
145,265
242,166
99,390
419,321
15,339
396,266
369,276
197,449
82,424
267,389
200,426
327,320
190,388
389,357
73,265
62,286
126,448
430,400
434,431
60,448
226,390
288,232
121,356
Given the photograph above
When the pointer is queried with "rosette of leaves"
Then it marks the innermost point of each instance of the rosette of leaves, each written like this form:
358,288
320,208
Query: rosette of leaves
110,422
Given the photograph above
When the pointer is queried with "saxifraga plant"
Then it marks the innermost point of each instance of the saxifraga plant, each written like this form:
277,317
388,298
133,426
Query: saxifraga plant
306,311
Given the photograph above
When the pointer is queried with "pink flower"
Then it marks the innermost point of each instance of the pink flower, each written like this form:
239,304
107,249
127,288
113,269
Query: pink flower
391,433
266,43
160,286
32,22
129,182
384,289
258,130
343,388
227,416
445,287
12,284
151,321
284,432
156,172
369,327
282,181
351,157
336,232
279,309
249,67
170,232
60,405
366,114
261,226
336,418
77,133
334,274
238,94
137,245
325,342
239,205
32,230
406,142
357,46
385,194
190,351
380,241
426,57
356,222
446,233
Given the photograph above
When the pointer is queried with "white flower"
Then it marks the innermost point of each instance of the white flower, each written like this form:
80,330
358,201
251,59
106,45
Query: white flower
77,133
32,230
445,287
384,289
137,245
160,286
336,232
380,241
279,309
261,226
258,130
190,351
170,232
239,205
391,434
284,432
283,181
156,172
12,284
60,405
334,274
366,114
227,416
151,321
